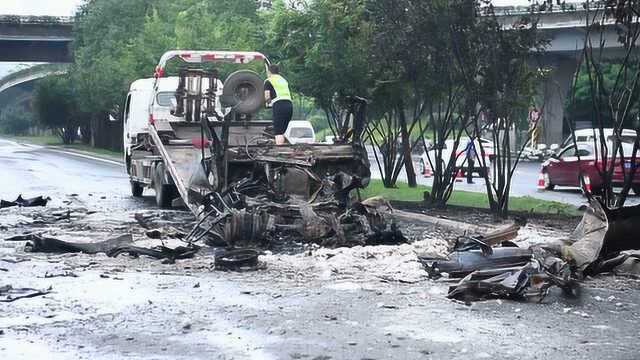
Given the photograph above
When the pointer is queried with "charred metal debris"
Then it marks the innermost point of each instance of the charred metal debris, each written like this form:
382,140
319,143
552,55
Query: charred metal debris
302,191
10,294
491,266
22,202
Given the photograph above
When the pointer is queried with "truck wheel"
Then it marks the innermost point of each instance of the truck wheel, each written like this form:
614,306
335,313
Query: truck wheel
136,189
164,193
164,196
246,88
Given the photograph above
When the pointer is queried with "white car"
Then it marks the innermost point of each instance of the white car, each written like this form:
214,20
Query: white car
588,135
300,132
428,159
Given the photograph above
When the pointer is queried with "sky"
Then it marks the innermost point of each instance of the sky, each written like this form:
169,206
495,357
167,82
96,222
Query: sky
39,7
67,7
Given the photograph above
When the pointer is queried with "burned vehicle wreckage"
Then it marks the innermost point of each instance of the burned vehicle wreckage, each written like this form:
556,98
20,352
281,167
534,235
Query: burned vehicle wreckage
209,150
228,171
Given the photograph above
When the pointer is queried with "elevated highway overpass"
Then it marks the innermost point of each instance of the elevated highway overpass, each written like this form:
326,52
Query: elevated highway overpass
35,39
567,34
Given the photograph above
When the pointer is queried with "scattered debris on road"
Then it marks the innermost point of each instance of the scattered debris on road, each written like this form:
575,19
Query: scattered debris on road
10,294
39,243
494,267
159,252
22,202
49,275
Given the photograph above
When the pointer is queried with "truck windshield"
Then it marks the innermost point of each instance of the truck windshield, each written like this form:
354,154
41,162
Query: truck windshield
164,98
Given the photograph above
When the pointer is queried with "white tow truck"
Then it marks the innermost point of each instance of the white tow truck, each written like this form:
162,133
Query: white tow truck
197,140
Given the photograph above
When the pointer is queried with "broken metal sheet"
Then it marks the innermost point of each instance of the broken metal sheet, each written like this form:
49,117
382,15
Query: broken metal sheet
10,294
601,235
530,281
620,263
588,237
159,252
508,283
39,243
462,263
112,247
20,201
630,265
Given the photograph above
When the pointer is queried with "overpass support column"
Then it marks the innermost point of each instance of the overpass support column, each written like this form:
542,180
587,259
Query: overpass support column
553,95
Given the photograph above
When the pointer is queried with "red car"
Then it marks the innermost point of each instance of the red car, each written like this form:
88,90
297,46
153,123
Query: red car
564,169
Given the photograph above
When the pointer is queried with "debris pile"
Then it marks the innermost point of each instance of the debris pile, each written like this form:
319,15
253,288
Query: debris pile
251,212
491,266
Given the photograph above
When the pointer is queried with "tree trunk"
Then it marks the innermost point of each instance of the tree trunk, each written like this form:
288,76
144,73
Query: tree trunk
406,148
85,130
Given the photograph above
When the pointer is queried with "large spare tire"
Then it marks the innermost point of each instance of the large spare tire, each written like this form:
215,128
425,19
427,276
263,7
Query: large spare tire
243,90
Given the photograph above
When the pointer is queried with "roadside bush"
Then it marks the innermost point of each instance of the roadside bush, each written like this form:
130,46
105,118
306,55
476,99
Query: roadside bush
15,120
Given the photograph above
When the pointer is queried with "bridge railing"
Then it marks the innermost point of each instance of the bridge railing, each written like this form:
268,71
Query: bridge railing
567,7
18,19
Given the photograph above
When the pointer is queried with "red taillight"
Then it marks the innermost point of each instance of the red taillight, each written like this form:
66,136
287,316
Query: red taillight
151,119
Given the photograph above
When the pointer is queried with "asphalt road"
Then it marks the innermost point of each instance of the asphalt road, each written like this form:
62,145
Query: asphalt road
360,303
34,170
66,174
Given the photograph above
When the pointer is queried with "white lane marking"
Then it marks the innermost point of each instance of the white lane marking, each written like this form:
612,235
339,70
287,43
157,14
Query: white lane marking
66,152
112,162
29,145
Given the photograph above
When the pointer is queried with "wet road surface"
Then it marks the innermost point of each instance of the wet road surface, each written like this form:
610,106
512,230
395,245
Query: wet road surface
360,303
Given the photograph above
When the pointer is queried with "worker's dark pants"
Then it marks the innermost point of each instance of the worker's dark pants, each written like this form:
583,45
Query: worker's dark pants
282,113
470,164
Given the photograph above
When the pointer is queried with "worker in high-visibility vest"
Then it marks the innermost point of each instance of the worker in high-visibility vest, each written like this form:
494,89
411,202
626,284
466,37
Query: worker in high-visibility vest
278,96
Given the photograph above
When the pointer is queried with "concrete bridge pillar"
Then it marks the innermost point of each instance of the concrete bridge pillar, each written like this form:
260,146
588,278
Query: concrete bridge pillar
553,95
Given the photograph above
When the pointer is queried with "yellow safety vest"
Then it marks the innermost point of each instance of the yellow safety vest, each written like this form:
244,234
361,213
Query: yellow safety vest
281,86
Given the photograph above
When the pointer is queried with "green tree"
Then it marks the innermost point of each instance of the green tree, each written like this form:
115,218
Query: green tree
56,106
416,79
118,42
322,49
503,84
15,120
